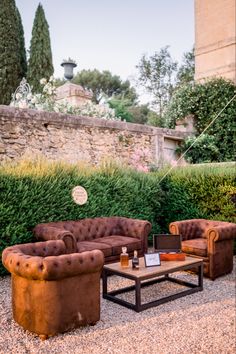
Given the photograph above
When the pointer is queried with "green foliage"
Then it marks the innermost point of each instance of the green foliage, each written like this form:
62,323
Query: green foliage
139,113
40,61
156,75
121,108
199,192
205,101
125,110
186,70
36,192
155,120
10,53
33,193
203,150
104,84
22,51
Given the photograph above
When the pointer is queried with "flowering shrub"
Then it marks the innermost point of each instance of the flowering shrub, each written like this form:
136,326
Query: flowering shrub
46,101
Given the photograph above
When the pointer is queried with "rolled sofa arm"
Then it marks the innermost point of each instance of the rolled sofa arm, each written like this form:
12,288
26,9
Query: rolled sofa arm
45,233
135,227
19,260
221,232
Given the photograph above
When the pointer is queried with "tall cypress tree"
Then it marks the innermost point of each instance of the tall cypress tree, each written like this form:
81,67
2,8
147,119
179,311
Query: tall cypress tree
40,61
10,62
22,51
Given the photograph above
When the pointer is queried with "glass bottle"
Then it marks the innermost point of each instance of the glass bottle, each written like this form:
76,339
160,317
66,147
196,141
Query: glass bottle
124,258
135,260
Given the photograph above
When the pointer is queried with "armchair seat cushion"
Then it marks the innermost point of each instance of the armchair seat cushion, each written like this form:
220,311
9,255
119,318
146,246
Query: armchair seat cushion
197,246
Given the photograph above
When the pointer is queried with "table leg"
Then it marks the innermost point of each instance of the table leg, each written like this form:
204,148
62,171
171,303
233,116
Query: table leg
138,295
104,282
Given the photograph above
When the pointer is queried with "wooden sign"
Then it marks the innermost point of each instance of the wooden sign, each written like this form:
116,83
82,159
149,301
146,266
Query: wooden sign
79,195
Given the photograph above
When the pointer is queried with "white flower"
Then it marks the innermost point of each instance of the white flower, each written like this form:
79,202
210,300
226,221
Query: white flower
23,104
18,96
43,81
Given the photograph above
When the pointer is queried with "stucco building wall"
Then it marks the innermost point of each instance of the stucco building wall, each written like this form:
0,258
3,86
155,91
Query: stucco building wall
215,39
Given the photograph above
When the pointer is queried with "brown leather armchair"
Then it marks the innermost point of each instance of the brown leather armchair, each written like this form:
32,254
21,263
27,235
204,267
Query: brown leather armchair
52,291
210,240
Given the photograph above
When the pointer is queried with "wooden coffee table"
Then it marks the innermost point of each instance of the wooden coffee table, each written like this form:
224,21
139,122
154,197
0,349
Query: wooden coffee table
147,276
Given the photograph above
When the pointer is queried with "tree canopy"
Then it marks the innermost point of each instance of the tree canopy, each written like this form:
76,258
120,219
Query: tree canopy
156,75
22,52
105,84
186,70
40,60
10,54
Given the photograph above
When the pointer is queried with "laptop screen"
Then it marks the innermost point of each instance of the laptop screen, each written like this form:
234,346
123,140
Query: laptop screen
167,243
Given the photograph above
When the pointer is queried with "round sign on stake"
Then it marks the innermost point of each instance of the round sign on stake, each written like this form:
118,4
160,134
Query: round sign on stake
79,195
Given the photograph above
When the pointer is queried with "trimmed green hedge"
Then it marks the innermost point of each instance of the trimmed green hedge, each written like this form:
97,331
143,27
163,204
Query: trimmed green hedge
199,192
32,193
33,196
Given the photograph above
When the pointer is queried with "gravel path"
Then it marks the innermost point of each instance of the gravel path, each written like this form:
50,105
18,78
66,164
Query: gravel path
203,322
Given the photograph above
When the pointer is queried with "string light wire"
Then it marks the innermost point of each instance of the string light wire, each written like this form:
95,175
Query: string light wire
213,120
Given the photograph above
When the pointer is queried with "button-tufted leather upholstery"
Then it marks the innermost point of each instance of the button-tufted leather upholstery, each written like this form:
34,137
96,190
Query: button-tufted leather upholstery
210,240
53,291
108,234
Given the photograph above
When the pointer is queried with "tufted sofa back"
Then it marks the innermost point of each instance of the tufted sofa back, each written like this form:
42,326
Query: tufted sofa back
48,261
92,228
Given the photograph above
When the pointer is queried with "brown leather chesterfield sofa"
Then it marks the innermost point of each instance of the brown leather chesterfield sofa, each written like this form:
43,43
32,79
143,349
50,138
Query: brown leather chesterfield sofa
52,291
210,240
108,234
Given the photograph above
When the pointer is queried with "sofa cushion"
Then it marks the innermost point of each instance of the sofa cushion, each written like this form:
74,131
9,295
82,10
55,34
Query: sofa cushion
197,246
90,245
116,242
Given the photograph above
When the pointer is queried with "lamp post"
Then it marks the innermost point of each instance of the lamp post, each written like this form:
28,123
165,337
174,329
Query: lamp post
68,66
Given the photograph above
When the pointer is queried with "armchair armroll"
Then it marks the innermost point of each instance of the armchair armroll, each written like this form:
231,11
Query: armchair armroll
221,233
46,233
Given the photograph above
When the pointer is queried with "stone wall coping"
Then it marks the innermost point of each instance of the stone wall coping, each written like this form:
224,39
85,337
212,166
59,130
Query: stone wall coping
53,118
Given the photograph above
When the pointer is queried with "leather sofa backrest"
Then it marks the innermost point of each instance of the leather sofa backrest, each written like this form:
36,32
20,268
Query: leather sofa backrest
92,228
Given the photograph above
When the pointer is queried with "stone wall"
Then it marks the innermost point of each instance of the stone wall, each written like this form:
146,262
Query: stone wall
215,39
73,139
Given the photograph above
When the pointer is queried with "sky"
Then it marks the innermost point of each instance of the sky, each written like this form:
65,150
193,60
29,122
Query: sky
112,34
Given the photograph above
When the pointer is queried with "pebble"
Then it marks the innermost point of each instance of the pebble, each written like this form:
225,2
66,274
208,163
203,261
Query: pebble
201,323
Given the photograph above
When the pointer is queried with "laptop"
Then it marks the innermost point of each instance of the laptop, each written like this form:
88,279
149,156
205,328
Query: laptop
166,243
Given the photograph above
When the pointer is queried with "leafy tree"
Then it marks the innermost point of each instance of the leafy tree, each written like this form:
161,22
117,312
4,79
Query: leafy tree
206,101
40,61
10,58
22,51
186,70
204,149
155,120
104,84
139,113
121,108
156,74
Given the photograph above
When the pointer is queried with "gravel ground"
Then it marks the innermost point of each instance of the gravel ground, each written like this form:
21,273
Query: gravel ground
203,322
